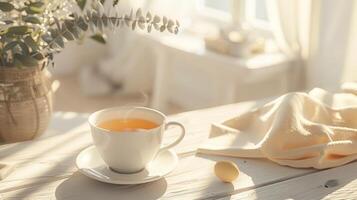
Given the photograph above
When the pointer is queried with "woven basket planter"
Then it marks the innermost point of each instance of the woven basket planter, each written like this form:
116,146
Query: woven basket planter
25,103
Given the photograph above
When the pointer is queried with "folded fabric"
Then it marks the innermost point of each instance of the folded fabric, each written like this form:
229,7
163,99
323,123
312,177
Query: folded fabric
5,170
316,129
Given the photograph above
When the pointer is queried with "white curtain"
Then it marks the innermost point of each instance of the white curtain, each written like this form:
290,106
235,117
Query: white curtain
350,71
291,22
318,34
334,36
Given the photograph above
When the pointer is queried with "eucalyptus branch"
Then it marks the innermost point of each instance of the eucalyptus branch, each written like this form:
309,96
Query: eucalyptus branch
33,30
71,29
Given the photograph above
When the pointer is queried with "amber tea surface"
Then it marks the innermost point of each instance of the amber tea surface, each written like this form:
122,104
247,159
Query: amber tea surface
120,125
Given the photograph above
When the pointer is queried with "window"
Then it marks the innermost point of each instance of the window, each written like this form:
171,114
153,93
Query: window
216,10
257,10
261,10
252,11
222,6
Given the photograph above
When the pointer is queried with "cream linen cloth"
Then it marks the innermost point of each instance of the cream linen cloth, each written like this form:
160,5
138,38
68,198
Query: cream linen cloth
316,129
5,170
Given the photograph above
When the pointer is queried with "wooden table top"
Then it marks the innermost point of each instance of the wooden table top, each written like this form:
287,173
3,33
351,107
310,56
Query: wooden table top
45,168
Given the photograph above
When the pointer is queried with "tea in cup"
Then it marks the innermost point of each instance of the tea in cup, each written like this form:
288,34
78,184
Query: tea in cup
128,138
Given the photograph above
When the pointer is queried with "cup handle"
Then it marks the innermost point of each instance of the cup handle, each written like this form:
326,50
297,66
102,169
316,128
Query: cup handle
178,140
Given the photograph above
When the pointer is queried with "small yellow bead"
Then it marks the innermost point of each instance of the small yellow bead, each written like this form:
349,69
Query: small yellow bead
226,171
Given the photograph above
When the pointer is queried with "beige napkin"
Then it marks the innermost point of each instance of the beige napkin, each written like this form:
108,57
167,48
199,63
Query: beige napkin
5,170
316,129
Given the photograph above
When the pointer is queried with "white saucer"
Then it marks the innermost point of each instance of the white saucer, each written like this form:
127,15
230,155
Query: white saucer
91,164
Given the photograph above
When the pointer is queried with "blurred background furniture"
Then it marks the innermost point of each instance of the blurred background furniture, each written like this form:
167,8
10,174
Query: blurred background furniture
314,47
191,77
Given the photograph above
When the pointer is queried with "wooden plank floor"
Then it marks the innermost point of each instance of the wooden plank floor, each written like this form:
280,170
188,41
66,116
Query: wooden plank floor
45,168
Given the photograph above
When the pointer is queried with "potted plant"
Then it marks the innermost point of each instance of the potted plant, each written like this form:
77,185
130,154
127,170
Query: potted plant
31,32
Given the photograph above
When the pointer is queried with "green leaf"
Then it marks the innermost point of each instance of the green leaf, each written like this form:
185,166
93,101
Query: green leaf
6,7
34,10
9,21
141,25
57,38
31,42
50,57
81,3
26,60
54,48
10,45
57,23
59,41
164,20
156,26
37,55
24,48
113,21
89,16
75,32
18,30
156,19
102,2
133,25
37,4
66,34
127,21
115,2
69,24
43,65
162,28
32,19
148,17
105,20
139,13
82,24
95,19
149,28
99,38
72,28
47,38
35,7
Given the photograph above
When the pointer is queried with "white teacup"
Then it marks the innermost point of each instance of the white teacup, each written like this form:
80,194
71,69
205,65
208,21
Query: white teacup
130,152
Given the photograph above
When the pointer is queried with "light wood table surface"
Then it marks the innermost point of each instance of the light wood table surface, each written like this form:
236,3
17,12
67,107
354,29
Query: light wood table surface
45,168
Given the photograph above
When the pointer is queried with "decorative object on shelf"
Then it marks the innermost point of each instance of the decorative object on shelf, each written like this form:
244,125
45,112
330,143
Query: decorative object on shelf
349,87
239,42
31,32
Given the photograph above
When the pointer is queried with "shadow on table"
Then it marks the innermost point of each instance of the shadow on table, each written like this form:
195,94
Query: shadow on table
62,122
79,186
228,188
317,184
219,190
